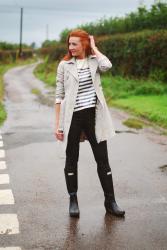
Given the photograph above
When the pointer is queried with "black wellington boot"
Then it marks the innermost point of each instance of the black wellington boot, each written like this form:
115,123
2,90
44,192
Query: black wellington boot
73,208
71,178
112,207
105,176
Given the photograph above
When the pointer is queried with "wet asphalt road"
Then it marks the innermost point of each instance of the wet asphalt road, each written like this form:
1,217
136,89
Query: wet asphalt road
35,165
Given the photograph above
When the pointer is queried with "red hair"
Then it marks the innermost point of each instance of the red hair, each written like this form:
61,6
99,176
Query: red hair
85,40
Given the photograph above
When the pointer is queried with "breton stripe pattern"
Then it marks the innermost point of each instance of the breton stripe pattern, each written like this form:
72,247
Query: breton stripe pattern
86,96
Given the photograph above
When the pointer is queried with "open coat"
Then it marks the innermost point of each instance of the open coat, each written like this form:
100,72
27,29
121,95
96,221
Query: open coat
67,83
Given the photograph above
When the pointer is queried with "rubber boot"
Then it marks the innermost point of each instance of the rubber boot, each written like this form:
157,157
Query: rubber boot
71,178
73,207
105,176
112,207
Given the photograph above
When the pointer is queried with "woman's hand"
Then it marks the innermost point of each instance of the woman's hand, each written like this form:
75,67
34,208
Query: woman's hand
59,135
92,42
95,50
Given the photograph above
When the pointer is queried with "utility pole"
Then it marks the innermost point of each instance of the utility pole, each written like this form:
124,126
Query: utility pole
21,27
47,32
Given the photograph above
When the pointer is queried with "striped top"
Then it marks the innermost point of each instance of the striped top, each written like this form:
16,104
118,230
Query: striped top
86,96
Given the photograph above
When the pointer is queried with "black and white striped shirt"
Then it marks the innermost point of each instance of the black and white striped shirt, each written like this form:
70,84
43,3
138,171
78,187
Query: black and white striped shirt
86,96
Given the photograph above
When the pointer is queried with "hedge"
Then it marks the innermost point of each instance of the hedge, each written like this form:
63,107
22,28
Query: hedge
137,54
9,56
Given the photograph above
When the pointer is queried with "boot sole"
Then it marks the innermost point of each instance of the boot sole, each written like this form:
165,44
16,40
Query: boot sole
75,215
115,214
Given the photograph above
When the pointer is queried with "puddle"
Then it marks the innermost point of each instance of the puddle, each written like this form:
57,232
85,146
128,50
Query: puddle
163,168
8,133
45,100
23,138
162,143
126,131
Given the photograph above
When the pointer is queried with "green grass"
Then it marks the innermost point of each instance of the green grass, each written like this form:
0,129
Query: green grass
120,87
35,91
145,98
153,108
133,123
46,72
3,113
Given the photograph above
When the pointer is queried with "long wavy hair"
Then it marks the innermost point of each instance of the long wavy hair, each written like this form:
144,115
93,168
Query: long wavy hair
85,40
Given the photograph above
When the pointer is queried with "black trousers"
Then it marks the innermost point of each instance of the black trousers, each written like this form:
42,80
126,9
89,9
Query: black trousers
85,120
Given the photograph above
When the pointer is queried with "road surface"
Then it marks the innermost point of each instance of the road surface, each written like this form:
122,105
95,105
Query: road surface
33,196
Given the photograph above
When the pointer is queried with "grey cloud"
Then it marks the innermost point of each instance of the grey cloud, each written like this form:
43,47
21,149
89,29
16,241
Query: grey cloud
57,15
79,5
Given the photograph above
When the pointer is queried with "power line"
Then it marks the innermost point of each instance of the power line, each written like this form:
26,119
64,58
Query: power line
9,11
52,9
48,9
7,6
31,7
21,30
15,9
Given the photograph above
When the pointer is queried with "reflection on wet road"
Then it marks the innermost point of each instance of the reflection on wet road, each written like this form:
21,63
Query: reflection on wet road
36,169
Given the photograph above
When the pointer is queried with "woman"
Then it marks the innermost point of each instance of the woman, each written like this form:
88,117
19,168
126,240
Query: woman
82,113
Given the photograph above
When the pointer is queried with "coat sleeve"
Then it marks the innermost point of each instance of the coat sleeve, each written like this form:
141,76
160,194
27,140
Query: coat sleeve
59,93
104,63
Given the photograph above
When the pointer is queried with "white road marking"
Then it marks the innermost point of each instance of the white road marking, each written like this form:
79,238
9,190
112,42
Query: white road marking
2,165
4,178
6,197
2,153
10,248
9,224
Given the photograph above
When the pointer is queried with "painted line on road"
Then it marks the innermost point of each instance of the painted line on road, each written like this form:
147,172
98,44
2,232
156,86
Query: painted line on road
10,248
6,197
2,153
2,164
9,223
4,179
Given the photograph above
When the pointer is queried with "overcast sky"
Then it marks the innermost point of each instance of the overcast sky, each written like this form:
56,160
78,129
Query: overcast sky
47,18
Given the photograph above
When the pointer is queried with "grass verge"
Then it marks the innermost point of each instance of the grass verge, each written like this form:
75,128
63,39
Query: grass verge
134,123
46,72
145,98
153,108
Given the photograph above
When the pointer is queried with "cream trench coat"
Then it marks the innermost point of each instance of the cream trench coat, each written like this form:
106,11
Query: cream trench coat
67,83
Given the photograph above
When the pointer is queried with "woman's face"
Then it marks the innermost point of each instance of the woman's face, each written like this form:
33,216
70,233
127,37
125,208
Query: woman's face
76,48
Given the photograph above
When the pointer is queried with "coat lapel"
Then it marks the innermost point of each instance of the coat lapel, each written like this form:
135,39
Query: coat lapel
73,67
93,66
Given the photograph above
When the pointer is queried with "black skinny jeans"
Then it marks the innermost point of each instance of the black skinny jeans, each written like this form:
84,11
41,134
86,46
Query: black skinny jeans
85,120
